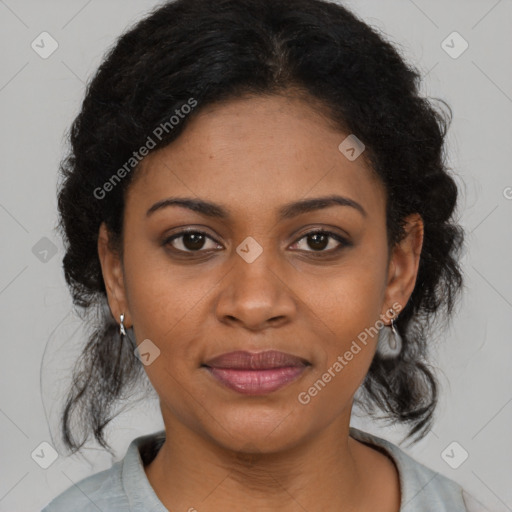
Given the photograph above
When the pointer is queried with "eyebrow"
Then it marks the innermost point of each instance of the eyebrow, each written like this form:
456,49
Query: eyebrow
286,211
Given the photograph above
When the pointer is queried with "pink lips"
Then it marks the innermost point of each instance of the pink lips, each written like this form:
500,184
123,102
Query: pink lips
256,374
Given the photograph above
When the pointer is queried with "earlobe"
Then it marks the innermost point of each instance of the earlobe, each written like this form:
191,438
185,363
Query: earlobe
112,275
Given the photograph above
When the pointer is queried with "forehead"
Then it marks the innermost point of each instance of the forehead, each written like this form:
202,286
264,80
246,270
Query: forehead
256,151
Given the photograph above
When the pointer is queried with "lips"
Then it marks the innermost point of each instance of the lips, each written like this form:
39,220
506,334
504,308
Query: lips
256,373
269,359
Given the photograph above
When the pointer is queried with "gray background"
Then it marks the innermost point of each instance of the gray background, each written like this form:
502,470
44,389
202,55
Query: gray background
40,97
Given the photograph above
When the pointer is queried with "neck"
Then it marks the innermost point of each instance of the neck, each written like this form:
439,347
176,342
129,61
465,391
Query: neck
325,473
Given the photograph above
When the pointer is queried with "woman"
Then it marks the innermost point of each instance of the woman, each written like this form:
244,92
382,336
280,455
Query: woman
256,203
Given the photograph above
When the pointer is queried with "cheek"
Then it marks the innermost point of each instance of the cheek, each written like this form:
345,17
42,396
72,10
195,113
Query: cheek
350,301
350,308
159,294
349,305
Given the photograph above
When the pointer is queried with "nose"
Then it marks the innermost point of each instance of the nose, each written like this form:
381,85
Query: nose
256,295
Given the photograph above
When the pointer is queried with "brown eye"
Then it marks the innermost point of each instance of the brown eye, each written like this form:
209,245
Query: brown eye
319,240
189,241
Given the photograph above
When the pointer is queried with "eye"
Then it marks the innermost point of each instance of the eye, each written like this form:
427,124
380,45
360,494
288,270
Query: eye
191,241
319,240
194,241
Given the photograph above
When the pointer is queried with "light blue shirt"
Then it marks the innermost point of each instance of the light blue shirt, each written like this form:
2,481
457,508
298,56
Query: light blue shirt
125,487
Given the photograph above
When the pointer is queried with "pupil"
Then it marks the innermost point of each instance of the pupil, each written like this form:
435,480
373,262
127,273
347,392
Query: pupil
319,241
193,241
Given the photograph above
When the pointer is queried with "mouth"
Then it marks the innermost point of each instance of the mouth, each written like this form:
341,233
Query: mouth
256,373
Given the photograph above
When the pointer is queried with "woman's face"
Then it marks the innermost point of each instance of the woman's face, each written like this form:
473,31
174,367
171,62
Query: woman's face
255,281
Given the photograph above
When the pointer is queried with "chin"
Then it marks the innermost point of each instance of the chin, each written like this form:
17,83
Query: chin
258,429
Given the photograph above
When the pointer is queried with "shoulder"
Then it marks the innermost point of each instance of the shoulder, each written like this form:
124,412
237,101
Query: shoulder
103,491
422,489
123,487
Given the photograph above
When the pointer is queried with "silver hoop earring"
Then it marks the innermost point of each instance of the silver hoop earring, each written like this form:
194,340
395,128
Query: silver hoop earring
390,342
122,330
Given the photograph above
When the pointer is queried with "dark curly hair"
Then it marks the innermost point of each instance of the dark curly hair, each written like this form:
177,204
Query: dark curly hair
217,51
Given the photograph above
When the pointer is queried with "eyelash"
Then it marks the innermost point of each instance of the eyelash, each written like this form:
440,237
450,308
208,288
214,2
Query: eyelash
343,241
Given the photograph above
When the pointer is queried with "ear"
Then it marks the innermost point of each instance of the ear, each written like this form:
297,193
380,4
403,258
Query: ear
113,277
403,266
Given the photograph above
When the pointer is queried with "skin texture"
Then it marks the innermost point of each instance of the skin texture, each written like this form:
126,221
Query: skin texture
252,155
